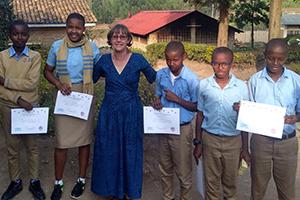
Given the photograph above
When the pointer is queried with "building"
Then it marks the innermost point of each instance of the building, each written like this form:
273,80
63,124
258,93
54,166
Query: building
193,26
46,18
291,24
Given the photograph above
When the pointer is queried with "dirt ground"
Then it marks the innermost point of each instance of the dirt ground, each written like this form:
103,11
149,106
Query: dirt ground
151,185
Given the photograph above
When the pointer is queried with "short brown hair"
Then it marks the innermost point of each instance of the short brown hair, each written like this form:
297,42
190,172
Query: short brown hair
119,28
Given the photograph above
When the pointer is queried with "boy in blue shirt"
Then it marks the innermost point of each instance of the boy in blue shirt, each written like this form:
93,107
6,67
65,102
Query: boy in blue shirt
177,87
275,85
217,139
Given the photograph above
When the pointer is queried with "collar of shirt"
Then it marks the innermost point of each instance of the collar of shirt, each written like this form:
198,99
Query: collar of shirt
232,81
264,74
182,74
13,53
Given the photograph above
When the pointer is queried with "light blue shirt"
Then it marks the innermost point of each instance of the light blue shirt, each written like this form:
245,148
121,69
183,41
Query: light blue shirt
216,105
74,60
185,86
285,92
13,53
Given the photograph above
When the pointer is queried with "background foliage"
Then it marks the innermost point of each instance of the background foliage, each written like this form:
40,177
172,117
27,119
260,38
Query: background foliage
6,16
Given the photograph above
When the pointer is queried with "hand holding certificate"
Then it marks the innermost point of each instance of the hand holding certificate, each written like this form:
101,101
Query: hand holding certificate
161,121
29,122
261,119
76,104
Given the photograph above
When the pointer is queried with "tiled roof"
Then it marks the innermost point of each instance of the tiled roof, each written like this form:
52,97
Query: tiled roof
51,11
290,19
146,22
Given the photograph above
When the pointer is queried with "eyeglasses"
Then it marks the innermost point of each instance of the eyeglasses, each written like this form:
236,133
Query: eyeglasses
224,64
121,37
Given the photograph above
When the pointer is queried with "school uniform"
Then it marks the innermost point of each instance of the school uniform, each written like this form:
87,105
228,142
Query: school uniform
176,151
21,73
269,154
221,142
70,68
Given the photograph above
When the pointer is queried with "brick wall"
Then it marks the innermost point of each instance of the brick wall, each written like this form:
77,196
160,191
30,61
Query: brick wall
46,36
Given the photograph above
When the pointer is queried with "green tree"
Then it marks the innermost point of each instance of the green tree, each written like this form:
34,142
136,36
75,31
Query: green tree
224,8
6,16
108,11
252,12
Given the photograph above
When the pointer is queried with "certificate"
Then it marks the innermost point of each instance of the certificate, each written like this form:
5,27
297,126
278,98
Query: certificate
76,104
29,122
165,121
261,119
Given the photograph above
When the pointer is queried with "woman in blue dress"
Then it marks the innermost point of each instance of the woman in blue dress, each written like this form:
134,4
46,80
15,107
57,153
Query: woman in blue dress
118,150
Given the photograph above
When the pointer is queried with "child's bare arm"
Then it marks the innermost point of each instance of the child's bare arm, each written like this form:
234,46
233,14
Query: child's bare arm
62,87
171,96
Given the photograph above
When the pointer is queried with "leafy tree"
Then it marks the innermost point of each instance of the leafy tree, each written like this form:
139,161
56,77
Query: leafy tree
224,7
252,12
108,11
6,16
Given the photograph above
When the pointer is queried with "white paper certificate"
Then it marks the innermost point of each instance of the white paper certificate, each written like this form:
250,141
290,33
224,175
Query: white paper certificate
165,121
261,119
29,122
76,104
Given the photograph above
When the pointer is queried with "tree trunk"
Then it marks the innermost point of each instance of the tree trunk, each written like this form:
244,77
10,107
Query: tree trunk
223,26
275,19
252,35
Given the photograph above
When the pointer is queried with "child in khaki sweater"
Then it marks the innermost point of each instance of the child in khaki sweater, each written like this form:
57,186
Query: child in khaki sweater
19,78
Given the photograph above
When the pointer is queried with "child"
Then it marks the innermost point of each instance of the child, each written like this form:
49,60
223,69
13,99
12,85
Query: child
275,85
118,151
73,58
19,78
177,87
218,140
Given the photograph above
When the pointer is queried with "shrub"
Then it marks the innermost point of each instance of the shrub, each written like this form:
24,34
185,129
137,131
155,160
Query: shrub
197,52
294,56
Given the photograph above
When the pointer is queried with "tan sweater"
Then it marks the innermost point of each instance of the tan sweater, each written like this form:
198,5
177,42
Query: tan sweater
21,78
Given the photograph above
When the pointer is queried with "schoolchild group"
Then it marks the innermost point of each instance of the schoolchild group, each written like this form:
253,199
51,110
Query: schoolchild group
74,64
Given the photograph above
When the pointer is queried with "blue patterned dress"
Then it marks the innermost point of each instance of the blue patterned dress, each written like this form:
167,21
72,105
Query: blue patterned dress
118,150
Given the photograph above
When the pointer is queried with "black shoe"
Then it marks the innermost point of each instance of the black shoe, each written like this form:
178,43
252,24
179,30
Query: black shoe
77,190
57,192
36,190
13,189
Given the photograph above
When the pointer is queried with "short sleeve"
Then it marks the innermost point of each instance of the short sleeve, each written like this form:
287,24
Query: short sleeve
96,52
51,59
245,92
194,87
298,94
147,69
200,100
158,89
251,89
98,69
